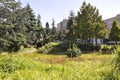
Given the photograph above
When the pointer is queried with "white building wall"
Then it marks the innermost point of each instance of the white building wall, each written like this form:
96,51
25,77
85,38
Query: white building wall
62,25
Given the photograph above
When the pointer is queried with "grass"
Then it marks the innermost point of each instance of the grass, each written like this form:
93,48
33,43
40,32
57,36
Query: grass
33,66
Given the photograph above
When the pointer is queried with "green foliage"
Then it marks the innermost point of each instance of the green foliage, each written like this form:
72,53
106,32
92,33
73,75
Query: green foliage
117,60
114,72
51,47
11,33
55,47
89,24
18,26
47,30
108,49
70,25
65,44
9,65
45,67
115,31
89,47
73,51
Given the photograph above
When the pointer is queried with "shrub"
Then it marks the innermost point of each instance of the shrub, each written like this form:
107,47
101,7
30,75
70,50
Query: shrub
114,73
55,47
89,47
65,44
97,47
117,61
9,65
109,50
73,52
13,64
48,47
52,47
105,50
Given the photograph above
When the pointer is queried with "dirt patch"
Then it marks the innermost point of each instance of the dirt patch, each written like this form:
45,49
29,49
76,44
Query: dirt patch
59,60
55,60
76,59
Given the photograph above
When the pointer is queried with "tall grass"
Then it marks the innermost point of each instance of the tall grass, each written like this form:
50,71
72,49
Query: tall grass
114,69
34,66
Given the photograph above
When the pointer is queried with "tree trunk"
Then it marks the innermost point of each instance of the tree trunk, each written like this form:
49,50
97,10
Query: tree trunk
101,40
96,41
116,42
92,40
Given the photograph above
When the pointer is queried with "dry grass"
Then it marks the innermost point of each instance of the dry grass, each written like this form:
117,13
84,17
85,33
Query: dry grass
59,59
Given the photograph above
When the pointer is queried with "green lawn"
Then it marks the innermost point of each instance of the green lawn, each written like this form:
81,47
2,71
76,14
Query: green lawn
33,66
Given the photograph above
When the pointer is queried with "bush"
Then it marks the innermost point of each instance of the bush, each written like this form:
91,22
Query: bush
89,47
114,73
52,47
109,50
105,50
9,65
48,47
117,60
55,47
73,52
65,44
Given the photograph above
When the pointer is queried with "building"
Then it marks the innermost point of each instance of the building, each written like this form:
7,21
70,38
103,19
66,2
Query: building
61,27
109,22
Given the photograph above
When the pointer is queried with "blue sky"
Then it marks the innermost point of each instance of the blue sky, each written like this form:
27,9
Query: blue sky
59,9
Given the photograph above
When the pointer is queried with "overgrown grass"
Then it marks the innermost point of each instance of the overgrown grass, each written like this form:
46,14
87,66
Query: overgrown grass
32,66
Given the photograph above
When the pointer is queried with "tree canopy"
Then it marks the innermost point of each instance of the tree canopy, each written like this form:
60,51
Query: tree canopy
89,24
115,31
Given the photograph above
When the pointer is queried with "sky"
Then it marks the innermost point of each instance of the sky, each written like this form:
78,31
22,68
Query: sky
59,9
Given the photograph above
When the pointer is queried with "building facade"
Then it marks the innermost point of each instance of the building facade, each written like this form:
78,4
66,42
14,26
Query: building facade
62,26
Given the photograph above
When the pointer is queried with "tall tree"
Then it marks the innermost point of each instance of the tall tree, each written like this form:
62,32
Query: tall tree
18,26
89,23
30,24
48,31
70,25
53,27
9,11
53,31
39,20
99,26
115,31
39,32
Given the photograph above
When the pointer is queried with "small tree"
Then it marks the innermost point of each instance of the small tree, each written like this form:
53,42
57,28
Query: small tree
115,31
73,51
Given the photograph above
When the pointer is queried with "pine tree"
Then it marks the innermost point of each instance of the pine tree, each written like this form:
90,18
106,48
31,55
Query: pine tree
47,29
53,31
47,33
38,20
10,40
30,24
53,27
39,32
70,25
18,26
